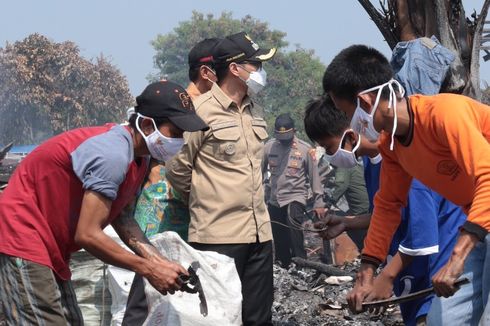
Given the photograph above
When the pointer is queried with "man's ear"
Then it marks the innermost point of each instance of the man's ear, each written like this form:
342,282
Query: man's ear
207,73
367,100
352,138
147,126
234,69
203,72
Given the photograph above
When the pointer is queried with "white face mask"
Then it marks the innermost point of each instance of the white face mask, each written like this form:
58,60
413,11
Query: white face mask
161,148
130,112
256,80
362,122
343,158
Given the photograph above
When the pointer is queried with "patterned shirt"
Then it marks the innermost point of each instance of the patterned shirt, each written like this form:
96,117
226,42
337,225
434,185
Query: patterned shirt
160,208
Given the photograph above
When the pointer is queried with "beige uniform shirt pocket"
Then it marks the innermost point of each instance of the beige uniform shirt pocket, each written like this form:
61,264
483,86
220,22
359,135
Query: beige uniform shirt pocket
259,127
224,141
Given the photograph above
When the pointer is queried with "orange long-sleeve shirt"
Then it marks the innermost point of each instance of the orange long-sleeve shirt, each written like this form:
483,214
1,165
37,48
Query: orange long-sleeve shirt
448,150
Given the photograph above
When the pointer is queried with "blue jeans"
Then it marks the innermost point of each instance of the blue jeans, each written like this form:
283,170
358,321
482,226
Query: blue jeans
469,305
421,65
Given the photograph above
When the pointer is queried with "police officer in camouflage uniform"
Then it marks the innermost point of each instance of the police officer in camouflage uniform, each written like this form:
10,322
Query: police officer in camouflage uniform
293,169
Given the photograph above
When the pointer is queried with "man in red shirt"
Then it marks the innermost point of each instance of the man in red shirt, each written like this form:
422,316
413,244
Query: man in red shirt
68,189
441,140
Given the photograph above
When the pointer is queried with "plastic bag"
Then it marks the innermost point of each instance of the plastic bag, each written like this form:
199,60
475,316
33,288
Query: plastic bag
119,281
220,283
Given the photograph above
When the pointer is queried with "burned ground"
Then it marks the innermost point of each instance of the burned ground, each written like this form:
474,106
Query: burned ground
303,297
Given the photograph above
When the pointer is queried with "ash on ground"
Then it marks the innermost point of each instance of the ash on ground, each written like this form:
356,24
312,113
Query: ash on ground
303,297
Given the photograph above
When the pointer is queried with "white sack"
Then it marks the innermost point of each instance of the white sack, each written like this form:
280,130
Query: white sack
219,280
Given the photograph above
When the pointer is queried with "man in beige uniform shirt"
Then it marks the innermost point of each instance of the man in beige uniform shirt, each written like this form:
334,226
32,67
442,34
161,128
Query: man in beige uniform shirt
169,212
220,170
294,169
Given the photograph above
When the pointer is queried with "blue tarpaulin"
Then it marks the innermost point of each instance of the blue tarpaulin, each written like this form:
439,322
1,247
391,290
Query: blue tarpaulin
21,149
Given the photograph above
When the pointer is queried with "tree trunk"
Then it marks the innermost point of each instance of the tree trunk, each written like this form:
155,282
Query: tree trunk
475,51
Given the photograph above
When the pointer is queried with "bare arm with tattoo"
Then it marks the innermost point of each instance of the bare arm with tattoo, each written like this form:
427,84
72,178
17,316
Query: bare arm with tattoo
130,233
148,262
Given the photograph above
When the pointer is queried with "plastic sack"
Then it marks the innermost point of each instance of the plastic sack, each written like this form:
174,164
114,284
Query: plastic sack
89,281
119,282
220,283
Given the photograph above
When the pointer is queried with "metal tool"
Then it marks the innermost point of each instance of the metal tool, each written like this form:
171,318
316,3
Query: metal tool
192,284
408,297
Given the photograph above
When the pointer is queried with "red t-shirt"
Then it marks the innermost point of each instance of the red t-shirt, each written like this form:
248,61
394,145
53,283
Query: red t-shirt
40,208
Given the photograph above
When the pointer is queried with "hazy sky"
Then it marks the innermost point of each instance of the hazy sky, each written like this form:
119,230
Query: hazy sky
123,29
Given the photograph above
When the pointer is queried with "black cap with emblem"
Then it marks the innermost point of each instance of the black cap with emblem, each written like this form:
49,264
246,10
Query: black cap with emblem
165,99
240,47
284,127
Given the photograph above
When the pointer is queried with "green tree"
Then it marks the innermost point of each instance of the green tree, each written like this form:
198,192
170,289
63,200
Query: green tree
294,75
47,88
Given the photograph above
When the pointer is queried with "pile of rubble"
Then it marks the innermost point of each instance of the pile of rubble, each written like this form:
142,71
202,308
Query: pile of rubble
303,296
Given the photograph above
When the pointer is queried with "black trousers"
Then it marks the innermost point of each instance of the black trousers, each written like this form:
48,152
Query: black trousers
254,266
136,307
288,242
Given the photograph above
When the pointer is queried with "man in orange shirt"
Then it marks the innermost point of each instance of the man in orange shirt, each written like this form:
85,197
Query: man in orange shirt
441,140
